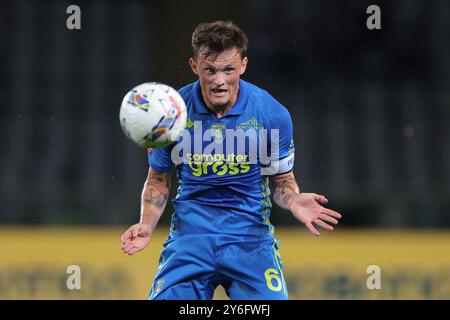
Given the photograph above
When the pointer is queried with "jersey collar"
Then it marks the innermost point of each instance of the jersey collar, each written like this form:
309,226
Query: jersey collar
237,109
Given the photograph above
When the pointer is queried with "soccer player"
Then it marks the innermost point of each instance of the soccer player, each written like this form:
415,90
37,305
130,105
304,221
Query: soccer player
220,232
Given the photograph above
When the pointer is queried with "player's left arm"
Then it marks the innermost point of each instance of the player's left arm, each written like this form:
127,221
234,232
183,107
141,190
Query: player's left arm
305,207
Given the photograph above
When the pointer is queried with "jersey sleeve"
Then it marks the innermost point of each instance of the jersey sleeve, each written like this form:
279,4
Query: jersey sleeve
281,145
160,158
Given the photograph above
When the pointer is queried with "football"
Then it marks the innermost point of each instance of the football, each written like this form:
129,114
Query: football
153,115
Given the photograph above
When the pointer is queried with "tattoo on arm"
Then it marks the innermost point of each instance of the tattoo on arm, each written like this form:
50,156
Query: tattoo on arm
158,202
285,189
154,199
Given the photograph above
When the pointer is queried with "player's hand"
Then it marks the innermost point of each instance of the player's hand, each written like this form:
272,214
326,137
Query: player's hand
135,238
307,208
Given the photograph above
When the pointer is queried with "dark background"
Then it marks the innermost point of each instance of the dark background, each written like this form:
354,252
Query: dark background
371,108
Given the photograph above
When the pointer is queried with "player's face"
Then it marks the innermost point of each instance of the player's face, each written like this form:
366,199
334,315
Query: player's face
219,76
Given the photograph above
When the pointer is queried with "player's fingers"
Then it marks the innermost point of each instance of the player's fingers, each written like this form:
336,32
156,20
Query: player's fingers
320,198
128,249
122,246
131,246
312,229
328,218
332,213
128,246
125,243
125,236
322,224
133,250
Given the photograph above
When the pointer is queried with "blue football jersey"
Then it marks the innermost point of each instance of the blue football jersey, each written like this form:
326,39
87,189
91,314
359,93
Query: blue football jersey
223,164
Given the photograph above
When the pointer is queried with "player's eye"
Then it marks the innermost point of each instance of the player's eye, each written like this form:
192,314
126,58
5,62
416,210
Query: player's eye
229,70
209,70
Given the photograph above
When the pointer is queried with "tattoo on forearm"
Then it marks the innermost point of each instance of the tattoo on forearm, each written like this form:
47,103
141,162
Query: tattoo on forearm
155,194
158,202
154,199
285,191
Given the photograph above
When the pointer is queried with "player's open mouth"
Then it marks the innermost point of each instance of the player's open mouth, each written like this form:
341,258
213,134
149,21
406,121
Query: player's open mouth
219,92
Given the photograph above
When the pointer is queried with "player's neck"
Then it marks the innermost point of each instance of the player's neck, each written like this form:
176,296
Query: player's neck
220,111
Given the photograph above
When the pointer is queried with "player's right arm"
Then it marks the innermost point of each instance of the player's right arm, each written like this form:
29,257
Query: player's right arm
153,201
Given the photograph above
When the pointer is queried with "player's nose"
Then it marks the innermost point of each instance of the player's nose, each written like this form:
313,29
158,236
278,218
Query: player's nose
219,80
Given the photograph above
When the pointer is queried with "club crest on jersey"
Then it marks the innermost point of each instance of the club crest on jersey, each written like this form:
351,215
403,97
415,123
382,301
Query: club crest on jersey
218,132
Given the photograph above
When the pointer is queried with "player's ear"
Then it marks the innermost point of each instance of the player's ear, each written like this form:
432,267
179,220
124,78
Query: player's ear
193,65
244,65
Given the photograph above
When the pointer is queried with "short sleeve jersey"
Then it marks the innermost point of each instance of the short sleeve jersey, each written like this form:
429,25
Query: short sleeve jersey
223,164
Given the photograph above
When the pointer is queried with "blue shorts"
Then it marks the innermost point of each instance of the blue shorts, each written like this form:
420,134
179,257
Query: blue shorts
192,266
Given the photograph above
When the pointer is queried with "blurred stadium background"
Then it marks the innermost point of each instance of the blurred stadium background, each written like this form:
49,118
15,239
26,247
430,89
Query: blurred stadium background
371,113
